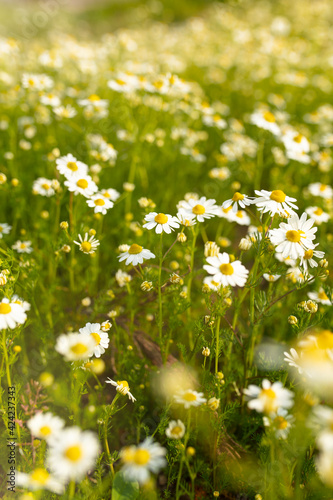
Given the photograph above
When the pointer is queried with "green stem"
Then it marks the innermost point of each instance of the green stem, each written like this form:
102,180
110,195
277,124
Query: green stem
9,382
187,435
217,344
71,490
160,318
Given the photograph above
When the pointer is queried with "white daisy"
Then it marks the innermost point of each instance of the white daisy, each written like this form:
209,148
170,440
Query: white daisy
43,186
81,184
93,100
136,255
308,260
271,277
17,300
162,222
200,209
4,229
76,346
186,220
50,100
321,190
274,202
324,465
100,203
69,166
175,429
45,425
100,337
269,398
238,199
292,359
110,194
122,278
11,314
320,297
40,479
87,245
241,217
317,214
139,461
189,398
122,387
280,423
23,246
72,453
294,237
295,142
65,111
266,120
226,272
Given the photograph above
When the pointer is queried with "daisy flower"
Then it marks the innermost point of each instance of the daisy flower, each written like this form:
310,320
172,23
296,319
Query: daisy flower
189,398
241,217
122,278
139,461
4,229
40,479
322,190
136,255
65,111
294,237
11,314
87,245
175,429
322,418
212,283
122,387
72,453
23,246
317,214
292,359
110,194
186,220
266,120
320,297
226,272
324,465
200,209
274,202
100,203
308,260
161,222
280,423
69,166
100,337
76,346
238,199
269,398
43,187
45,425
297,146
50,100
81,184
271,277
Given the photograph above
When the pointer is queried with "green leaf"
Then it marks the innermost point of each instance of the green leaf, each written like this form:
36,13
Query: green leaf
124,490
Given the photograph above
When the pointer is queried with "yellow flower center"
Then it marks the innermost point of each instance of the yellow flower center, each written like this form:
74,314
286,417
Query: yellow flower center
106,195
124,383
226,210
82,183
141,457
269,117
161,219
269,396
79,348
280,422
319,211
134,249
46,186
176,430
96,337
325,340
298,138
23,245
198,210
278,196
120,82
237,196
226,269
239,214
73,453
189,396
322,187
40,476
308,254
294,236
72,166
93,97
322,296
86,246
99,202
45,430
5,308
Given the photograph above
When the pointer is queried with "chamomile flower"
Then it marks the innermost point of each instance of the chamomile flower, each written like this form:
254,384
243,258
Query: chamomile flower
139,461
122,387
45,425
100,203
265,119
23,246
321,190
110,194
324,465
292,358
4,229
135,255
268,398
11,314
161,222
294,237
200,209
317,214
65,111
320,297
271,277
122,278
43,187
238,199
175,429
189,398
308,260
274,202
76,346
72,453
81,184
69,166
87,245
186,220
225,272
40,479
241,217
100,337
280,423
